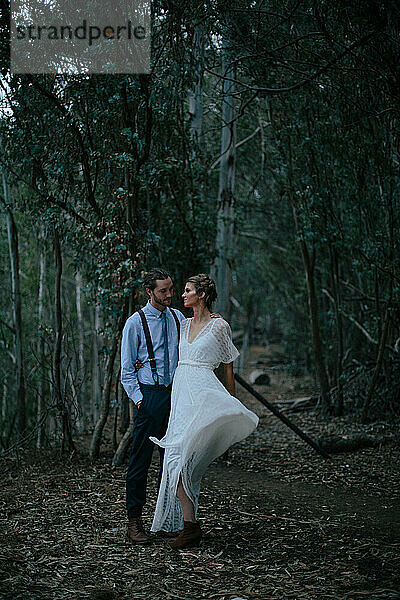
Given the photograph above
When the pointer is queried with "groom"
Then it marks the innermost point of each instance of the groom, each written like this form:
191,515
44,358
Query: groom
150,336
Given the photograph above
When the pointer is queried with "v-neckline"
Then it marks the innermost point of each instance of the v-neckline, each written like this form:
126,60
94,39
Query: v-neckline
198,333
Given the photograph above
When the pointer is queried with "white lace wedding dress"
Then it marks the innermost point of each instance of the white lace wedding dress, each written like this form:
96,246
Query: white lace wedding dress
204,421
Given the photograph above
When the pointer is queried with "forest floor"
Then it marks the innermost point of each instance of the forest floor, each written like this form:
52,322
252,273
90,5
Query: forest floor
279,521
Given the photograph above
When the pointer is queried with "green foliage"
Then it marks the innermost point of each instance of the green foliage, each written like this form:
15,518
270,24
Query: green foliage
109,161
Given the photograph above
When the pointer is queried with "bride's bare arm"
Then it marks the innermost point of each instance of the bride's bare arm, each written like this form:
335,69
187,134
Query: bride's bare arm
229,378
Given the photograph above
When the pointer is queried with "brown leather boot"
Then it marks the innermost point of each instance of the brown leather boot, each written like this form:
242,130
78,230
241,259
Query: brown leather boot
167,534
189,536
136,533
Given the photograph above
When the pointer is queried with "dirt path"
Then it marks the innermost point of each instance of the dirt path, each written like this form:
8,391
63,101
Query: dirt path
279,522
299,501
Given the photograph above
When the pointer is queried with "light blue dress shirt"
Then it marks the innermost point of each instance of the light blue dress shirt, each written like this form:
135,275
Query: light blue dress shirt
134,347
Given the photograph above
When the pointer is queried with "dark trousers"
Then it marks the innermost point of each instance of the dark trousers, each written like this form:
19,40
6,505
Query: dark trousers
150,419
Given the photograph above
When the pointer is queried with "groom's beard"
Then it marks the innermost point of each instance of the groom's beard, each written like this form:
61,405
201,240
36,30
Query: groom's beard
162,301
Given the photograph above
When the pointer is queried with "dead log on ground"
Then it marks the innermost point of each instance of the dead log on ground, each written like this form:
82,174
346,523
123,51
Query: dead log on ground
298,404
259,377
335,444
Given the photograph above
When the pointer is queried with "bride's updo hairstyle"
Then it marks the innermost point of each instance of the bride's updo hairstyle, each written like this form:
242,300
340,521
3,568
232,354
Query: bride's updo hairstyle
204,283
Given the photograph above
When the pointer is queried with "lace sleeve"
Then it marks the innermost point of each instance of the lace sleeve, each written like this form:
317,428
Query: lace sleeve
184,325
223,334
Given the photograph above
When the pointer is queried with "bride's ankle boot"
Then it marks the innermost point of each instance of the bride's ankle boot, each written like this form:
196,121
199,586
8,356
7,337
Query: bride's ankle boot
189,536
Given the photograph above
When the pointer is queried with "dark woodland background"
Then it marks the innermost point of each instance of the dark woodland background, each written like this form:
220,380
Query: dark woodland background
263,148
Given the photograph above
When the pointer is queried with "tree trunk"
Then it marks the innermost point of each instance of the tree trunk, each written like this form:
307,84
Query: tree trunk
124,413
222,266
3,411
243,351
319,362
383,333
67,442
309,269
41,408
16,309
315,329
338,408
116,411
105,401
126,441
196,94
82,408
379,361
96,368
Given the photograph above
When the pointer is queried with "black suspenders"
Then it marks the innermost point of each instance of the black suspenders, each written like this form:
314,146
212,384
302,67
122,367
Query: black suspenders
149,343
178,325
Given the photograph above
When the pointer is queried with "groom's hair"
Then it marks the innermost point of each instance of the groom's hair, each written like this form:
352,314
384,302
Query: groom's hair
150,278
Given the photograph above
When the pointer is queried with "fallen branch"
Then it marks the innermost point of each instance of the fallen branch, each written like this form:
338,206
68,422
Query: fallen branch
282,417
298,404
336,444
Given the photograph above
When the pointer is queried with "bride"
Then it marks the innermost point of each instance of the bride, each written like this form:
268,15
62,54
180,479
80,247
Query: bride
205,417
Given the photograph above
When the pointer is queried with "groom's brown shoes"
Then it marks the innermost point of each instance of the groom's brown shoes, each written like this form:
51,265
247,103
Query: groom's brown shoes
136,533
190,536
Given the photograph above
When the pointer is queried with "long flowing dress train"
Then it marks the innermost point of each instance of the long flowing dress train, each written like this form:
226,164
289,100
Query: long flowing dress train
205,419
